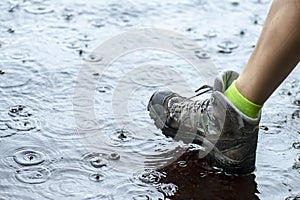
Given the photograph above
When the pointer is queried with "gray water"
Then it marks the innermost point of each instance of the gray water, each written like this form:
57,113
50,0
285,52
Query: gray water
43,156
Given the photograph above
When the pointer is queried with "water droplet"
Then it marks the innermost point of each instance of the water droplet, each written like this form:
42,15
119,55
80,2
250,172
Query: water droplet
32,175
29,157
296,145
98,161
114,156
19,111
182,164
169,189
96,177
265,128
103,88
150,176
121,135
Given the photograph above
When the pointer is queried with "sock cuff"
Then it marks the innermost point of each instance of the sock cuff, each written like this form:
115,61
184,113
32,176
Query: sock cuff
242,103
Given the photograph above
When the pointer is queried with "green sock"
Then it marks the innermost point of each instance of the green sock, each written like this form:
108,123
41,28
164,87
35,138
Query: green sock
244,105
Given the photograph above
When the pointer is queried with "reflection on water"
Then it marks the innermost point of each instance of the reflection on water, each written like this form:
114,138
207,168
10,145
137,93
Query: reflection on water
44,44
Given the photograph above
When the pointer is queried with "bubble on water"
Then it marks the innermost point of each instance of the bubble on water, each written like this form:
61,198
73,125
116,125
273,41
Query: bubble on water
96,177
39,9
19,111
169,189
29,157
93,58
23,124
32,175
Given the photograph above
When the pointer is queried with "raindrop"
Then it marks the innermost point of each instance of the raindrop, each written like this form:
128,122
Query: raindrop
169,189
97,160
265,128
103,88
296,145
150,177
97,177
29,157
114,156
121,135
182,163
32,175
19,111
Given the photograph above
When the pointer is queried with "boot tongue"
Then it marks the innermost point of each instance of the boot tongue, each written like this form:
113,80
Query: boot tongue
224,80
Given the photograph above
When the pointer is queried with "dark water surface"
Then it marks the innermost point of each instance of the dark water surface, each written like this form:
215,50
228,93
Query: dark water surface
44,44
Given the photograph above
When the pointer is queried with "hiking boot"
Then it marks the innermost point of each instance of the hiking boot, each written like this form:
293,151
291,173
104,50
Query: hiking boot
229,136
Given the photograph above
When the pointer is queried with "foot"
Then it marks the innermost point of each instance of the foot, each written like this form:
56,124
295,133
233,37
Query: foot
229,136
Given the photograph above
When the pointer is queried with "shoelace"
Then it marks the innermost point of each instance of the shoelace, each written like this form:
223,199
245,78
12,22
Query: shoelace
195,105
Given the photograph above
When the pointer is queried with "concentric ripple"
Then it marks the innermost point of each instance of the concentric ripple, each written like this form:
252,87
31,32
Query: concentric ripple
14,75
23,124
19,111
29,157
33,175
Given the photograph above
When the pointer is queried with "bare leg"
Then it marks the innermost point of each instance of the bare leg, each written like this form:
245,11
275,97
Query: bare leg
276,54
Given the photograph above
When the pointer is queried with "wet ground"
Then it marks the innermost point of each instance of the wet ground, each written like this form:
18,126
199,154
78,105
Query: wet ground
43,156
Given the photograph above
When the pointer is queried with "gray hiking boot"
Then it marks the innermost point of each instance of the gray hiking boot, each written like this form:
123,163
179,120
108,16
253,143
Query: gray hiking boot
229,136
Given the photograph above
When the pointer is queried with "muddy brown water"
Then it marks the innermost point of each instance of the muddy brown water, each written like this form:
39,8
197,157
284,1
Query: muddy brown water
43,156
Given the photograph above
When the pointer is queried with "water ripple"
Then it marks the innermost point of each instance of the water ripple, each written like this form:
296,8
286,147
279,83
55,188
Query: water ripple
33,175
